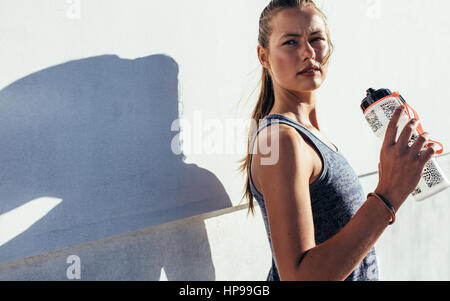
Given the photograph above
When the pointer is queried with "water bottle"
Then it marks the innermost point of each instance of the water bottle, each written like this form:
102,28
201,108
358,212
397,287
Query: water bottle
378,108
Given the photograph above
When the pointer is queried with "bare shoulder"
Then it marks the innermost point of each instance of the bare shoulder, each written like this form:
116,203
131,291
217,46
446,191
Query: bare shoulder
281,133
280,152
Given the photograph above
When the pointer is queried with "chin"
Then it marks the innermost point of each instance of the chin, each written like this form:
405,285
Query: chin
310,87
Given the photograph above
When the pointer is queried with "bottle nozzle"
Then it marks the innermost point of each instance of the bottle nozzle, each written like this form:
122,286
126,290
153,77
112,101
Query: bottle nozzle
373,96
371,92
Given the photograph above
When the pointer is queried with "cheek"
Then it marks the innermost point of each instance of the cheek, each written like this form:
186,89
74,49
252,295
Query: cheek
283,58
282,64
322,51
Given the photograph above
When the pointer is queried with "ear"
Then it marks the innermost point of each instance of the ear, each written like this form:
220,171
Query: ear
263,57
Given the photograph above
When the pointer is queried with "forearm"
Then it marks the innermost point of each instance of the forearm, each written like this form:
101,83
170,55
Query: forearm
338,257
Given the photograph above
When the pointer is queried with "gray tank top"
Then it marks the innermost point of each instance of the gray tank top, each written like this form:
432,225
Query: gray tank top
335,198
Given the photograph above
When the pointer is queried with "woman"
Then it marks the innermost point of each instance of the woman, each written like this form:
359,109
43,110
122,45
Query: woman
319,223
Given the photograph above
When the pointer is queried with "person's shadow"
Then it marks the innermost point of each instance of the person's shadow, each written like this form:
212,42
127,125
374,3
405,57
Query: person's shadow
96,134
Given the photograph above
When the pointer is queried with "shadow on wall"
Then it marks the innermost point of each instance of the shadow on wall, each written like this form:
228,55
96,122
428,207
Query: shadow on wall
96,134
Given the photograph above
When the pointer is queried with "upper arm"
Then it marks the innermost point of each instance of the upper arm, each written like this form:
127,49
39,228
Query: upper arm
285,187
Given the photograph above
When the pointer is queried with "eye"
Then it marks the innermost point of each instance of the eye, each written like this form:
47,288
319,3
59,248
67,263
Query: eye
295,42
318,39
286,43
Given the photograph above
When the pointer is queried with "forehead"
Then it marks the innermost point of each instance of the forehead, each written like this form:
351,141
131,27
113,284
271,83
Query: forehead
297,21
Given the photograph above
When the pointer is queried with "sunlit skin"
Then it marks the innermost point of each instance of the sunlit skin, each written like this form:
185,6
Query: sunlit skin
295,95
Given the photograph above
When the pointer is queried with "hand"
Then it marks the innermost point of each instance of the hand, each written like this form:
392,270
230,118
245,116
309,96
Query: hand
401,166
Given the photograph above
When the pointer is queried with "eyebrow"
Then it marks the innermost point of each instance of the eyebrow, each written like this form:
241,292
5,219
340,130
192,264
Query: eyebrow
297,35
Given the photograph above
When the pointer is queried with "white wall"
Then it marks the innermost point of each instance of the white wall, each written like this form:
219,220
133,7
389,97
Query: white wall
224,245
88,95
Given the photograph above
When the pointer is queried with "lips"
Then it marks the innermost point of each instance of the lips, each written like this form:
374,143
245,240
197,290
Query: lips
310,69
310,73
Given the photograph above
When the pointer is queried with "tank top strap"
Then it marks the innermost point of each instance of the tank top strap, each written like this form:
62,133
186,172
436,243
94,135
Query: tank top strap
288,121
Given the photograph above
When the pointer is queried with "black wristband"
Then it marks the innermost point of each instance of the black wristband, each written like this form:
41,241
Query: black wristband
385,201
386,204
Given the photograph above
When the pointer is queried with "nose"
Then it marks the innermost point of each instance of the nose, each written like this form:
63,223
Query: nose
308,51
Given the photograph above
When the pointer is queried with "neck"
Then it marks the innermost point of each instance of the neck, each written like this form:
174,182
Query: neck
299,106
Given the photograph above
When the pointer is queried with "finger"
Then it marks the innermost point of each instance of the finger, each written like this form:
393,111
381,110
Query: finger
420,143
405,136
427,156
391,132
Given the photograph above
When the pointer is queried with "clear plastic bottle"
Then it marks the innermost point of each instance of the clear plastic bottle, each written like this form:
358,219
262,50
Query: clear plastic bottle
378,108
